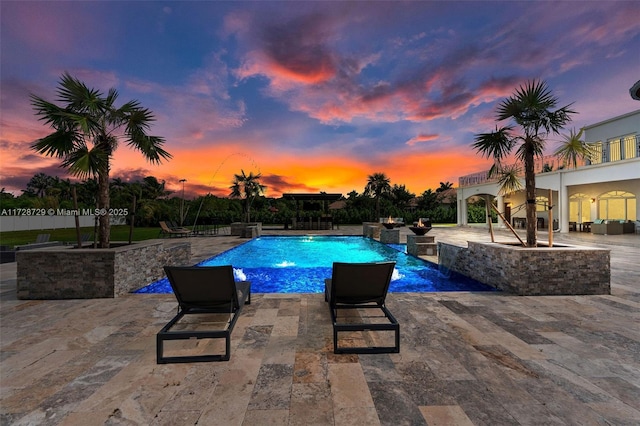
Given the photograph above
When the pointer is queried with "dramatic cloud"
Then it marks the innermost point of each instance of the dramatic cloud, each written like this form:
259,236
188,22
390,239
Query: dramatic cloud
315,96
422,139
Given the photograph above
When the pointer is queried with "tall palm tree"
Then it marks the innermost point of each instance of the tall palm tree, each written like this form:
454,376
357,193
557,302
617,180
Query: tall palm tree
377,184
247,187
531,108
88,127
572,148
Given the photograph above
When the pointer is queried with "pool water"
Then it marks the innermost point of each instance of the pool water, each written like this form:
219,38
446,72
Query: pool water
300,264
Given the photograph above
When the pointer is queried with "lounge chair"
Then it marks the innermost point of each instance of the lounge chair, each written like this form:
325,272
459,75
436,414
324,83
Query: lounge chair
203,290
43,238
166,230
359,286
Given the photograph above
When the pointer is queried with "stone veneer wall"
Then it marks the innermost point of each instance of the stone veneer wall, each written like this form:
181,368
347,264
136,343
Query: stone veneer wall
421,245
95,273
559,270
371,229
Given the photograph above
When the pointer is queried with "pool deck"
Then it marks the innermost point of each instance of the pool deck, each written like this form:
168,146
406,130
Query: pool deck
465,359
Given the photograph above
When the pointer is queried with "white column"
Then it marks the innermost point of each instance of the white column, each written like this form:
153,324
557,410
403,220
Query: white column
500,206
563,205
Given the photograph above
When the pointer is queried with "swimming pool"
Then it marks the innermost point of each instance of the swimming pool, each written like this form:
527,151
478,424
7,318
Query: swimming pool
299,264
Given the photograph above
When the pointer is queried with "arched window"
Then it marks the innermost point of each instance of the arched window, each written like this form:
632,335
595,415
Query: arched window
617,205
579,208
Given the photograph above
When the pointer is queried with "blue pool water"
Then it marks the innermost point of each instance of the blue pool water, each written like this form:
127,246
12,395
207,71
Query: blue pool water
299,264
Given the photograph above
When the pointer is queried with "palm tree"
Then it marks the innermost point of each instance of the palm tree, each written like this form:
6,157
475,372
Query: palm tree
39,184
573,148
531,108
444,186
401,196
509,179
377,184
88,128
247,187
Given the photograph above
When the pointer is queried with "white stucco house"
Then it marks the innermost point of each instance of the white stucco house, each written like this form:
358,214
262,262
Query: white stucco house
605,189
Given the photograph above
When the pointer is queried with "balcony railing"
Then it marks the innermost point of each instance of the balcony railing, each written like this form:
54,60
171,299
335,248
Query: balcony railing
604,152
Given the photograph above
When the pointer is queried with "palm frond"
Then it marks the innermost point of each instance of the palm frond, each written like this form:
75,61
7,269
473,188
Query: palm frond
58,144
497,144
110,100
85,163
572,148
509,179
78,96
150,147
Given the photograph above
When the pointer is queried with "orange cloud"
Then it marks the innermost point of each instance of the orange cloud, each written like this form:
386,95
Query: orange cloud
421,139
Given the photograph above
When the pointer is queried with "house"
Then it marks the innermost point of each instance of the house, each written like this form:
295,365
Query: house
604,188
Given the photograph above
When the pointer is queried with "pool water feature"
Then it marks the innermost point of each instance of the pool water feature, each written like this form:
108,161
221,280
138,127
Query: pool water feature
300,264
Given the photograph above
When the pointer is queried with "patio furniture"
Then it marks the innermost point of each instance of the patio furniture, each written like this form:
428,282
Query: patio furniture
607,227
585,226
7,254
359,287
42,238
165,230
206,291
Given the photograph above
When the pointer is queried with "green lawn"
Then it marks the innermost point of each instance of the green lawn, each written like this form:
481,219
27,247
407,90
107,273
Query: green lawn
118,233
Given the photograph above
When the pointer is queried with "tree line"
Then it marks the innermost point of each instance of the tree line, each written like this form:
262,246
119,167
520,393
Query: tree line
246,202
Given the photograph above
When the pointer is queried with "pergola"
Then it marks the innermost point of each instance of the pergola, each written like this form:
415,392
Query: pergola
303,196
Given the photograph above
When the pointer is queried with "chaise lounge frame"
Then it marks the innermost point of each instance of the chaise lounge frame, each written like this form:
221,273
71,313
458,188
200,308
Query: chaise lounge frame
216,293
361,286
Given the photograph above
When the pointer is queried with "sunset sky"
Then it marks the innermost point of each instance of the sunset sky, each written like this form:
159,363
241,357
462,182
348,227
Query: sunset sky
315,96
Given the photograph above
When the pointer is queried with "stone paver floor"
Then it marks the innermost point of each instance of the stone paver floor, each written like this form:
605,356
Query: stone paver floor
466,358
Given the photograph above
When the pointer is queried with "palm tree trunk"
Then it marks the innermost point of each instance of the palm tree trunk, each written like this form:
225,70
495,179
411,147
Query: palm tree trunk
104,227
530,188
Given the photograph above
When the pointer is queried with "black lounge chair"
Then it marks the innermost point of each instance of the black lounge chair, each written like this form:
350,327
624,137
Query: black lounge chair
42,238
203,290
179,232
358,286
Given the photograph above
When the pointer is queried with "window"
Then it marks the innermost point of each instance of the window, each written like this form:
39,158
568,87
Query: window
617,205
630,150
542,204
596,153
615,153
579,208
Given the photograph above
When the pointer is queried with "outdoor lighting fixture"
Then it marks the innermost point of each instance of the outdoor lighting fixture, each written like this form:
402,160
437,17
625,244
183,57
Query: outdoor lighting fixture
593,200
635,91
182,203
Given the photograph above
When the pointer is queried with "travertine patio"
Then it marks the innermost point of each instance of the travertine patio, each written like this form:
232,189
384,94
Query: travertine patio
482,359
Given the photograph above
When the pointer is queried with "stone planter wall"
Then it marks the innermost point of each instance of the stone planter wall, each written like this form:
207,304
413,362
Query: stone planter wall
371,229
559,270
390,236
65,273
246,229
421,245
